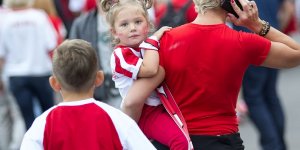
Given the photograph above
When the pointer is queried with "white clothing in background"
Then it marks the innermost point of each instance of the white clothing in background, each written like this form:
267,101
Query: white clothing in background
76,5
26,36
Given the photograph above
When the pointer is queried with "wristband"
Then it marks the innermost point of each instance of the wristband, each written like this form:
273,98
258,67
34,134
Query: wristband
265,29
152,42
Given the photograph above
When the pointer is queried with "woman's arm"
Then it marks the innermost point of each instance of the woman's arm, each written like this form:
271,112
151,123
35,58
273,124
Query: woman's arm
284,51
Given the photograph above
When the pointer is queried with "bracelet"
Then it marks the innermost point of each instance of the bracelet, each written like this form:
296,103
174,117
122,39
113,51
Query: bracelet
265,29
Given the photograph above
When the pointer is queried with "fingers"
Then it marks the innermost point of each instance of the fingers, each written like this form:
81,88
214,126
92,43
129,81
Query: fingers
165,28
235,7
248,15
232,19
254,8
161,31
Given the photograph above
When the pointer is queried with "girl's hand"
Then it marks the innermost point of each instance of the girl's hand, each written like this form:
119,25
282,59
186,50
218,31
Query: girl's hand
161,31
248,17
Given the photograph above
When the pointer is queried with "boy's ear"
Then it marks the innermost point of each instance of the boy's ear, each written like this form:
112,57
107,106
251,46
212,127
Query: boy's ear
99,78
54,84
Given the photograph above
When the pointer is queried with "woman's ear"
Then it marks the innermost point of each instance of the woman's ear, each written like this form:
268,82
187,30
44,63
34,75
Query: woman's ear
99,78
54,84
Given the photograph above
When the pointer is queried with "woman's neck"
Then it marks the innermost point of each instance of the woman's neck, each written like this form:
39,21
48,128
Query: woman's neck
211,17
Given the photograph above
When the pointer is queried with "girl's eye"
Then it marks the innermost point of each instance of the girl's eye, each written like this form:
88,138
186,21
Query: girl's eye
124,24
138,22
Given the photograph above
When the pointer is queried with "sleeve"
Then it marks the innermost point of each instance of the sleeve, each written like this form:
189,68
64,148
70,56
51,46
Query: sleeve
136,140
256,47
131,137
150,43
127,62
33,138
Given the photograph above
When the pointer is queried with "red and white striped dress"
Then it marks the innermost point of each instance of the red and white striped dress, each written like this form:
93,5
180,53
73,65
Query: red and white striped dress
125,64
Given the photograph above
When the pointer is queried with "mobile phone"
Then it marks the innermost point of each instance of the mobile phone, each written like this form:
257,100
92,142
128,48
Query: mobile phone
226,5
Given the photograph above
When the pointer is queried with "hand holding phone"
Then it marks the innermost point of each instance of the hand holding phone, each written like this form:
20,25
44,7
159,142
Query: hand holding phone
226,5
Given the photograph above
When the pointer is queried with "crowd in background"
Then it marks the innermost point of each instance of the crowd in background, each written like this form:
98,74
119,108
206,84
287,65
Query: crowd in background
25,72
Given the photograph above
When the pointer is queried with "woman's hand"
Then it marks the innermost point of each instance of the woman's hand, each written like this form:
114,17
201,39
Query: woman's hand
248,16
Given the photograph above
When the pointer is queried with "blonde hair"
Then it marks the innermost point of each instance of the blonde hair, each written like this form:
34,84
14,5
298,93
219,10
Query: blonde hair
18,3
113,8
201,6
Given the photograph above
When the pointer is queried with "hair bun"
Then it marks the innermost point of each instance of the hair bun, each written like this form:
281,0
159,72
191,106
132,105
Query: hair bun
107,4
147,3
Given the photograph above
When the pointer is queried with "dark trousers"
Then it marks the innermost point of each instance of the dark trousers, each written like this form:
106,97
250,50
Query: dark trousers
265,110
204,142
25,89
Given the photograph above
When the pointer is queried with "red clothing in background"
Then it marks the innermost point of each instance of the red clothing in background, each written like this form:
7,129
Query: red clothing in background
160,10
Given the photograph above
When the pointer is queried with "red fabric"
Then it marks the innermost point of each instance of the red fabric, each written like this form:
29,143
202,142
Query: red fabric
66,12
204,67
57,24
160,10
156,124
79,128
292,26
129,57
172,108
152,42
90,4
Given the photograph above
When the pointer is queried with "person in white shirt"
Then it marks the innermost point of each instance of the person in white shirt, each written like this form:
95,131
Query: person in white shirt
27,37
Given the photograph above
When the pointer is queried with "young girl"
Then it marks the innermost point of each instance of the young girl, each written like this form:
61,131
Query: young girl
136,71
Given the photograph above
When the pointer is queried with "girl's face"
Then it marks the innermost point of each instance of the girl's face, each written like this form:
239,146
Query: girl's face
131,27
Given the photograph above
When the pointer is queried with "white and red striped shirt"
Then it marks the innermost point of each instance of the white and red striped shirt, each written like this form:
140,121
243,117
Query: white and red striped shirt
125,64
85,124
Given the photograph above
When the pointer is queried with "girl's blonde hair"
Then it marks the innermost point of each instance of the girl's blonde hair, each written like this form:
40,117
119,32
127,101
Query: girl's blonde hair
18,3
201,6
113,8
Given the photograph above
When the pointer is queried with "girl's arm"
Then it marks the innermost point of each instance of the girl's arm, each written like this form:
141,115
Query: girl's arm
150,76
150,63
138,93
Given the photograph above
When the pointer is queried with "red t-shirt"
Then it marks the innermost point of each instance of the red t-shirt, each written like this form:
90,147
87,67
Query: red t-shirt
190,15
87,127
204,67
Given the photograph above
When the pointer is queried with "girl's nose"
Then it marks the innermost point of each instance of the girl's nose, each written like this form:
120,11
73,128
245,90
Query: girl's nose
132,27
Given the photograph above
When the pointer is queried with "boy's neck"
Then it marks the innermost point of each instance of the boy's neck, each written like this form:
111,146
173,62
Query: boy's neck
72,96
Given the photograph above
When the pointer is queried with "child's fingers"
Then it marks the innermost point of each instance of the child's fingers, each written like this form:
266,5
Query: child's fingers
165,28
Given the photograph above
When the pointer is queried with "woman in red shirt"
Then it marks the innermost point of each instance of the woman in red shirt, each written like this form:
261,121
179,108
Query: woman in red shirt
205,62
